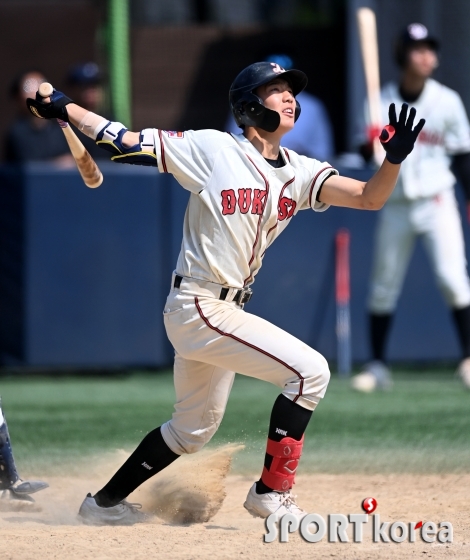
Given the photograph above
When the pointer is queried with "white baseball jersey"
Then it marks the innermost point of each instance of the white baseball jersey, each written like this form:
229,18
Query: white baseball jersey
239,203
426,171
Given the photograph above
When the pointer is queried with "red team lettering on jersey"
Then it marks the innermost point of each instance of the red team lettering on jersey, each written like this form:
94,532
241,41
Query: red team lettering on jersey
247,199
254,199
286,208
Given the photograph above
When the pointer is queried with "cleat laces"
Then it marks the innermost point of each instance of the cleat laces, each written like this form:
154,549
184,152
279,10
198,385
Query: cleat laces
287,500
134,507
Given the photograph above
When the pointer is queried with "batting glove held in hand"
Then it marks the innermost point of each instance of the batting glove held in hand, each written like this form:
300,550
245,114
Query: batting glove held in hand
398,138
55,109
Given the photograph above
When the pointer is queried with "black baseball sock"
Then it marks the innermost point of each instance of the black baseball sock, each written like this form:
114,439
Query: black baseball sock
379,326
288,419
462,322
151,456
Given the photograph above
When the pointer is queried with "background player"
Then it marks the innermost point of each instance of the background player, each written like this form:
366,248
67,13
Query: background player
244,191
14,492
423,203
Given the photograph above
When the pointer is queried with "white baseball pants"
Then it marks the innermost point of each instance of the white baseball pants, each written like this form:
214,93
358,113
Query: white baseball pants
213,339
437,219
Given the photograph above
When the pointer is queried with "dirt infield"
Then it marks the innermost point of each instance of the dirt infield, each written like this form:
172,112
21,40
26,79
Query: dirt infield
195,521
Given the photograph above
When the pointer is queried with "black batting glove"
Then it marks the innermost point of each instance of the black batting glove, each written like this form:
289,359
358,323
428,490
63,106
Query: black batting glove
398,138
55,109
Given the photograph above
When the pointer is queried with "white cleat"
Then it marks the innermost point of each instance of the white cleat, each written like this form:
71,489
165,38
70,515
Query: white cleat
124,513
463,371
364,382
374,376
28,486
279,503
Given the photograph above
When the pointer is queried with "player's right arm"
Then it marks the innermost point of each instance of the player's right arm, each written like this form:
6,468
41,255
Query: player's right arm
112,136
78,115
189,156
126,146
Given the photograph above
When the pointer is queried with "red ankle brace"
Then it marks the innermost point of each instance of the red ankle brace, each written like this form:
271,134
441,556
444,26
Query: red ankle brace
286,454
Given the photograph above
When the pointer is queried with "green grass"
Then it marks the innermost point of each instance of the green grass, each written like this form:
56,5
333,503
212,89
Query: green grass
423,425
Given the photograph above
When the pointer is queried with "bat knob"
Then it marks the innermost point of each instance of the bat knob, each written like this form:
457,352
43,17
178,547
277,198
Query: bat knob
45,89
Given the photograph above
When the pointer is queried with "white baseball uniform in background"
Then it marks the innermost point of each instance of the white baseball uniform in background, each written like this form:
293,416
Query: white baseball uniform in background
238,205
424,203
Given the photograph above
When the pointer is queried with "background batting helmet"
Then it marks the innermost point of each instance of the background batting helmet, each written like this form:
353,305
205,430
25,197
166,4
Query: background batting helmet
248,108
413,34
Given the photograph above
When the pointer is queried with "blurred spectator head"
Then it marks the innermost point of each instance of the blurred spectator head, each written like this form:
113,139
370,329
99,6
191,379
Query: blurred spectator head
83,83
415,49
25,85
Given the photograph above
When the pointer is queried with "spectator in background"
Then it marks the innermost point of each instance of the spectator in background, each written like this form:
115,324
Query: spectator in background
84,83
29,138
312,135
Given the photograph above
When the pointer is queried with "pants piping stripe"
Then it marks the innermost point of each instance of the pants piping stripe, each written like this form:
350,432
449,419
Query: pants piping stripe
196,301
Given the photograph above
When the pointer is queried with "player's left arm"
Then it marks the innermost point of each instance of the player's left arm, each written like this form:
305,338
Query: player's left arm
398,139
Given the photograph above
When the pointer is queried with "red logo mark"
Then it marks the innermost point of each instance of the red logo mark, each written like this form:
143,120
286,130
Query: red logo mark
369,505
418,525
174,134
276,68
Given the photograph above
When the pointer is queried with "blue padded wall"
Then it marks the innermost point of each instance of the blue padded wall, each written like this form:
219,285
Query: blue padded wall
84,274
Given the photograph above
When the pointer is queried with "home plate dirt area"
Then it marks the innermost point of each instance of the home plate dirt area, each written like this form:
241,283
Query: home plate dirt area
197,511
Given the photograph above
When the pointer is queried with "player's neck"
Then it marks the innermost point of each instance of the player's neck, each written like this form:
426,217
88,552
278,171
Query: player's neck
412,84
267,143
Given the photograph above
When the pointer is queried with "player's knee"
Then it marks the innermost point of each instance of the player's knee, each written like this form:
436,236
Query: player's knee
456,292
317,380
185,441
309,385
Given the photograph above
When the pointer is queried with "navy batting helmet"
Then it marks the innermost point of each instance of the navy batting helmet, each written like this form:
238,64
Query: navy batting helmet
248,108
414,34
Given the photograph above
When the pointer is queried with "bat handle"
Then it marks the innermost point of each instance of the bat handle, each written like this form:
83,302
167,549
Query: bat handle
45,90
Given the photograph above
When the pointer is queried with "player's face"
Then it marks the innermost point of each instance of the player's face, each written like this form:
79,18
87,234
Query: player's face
277,95
422,61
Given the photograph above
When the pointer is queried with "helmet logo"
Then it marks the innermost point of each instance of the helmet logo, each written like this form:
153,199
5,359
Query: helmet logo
276,68
417,31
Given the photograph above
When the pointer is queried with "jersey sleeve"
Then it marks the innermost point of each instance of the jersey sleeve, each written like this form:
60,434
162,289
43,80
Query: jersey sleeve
315,174
189,156
457,137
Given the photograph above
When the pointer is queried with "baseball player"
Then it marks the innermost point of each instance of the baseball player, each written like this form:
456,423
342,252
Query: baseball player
423,203
14,492
245,189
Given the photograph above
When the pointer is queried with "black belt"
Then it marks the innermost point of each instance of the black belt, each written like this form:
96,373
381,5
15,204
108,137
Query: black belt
241,297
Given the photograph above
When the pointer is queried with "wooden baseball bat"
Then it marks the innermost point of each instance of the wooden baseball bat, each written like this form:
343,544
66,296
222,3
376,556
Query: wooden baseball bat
90,172
367,28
